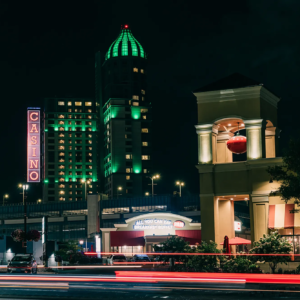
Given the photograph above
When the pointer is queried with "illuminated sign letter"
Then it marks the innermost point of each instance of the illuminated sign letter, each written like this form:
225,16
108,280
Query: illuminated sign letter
33,145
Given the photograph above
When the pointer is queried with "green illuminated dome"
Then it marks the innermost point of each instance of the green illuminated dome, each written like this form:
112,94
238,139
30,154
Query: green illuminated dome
125,45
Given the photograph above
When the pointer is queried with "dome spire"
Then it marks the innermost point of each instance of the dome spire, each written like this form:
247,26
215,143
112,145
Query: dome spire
125,45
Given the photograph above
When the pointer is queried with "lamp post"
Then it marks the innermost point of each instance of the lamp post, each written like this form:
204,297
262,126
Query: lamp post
5,197
24,187
180,185
152,179
39,201
85,190
119,189
81,243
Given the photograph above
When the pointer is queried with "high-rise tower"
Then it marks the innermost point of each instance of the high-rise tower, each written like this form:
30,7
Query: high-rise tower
124,118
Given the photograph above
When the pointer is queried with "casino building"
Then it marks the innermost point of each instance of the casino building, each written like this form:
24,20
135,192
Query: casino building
69,145
124,117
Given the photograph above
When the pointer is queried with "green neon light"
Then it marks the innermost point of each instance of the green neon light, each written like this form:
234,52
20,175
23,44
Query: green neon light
116,46
125,44
136,170
142,52
133,45
56,180
56,128
135,113
108,52
46,130
46,181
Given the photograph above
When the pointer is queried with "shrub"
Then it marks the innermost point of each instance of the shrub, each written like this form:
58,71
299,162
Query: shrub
240,264
33,235
272,243
18,235
204,263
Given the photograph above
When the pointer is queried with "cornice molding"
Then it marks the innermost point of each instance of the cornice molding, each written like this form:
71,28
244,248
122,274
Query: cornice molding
237,94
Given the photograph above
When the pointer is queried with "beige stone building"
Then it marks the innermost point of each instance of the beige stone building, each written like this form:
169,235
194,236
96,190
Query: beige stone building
223,107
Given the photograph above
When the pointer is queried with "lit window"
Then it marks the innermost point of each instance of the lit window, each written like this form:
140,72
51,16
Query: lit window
144,117
61,147
145,171
70,122
69,103
127,170
142,71
90,167
78,103
61,116
69,109
88,103
61,186
127,177
70,173
143,98
61,122
70,166
61,173
135,70
145,157
61,199
61,180
128,156
135,97
143,92
61,154
70,193
89,117
61,129
61,135
70,116
89,111
61,160
70,147
129,102
61,141
61,103
144,110
89,135
125,136
145,144
145,130
61,167
135,103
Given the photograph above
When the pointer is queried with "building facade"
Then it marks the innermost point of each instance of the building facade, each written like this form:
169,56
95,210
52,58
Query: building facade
69,143
124,118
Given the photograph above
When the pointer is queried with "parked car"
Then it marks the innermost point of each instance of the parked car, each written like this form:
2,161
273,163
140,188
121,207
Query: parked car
115,258
22,263
141,258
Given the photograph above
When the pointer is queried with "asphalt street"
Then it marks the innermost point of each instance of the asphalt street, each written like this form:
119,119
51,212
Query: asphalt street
106,287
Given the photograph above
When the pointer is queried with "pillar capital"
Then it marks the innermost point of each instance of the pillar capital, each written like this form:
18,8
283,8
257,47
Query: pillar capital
253,124
204,128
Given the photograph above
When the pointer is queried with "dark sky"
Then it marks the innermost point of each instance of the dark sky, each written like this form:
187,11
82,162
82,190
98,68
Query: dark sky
47,49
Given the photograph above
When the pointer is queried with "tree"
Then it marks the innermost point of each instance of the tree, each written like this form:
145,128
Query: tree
240,264
288,174
67,250
272,243
173,244
204,263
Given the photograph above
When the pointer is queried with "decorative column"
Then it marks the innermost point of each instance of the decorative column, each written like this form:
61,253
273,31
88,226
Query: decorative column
255,139
224,155
204,132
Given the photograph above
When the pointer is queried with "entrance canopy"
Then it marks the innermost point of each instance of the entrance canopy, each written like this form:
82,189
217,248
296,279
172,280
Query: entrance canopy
238,241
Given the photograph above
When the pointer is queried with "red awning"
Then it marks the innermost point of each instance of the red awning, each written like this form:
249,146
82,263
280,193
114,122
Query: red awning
127,238
238,241
192,236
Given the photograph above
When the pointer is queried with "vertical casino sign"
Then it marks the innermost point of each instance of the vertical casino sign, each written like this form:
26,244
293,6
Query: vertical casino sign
33,145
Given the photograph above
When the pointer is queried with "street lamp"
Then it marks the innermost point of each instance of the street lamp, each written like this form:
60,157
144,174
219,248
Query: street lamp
119,189
5,197
39,201
81,243
85,190
152,179
147,194
180,183
25,188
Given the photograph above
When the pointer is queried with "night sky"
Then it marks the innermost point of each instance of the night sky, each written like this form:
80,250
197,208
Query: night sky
47,49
